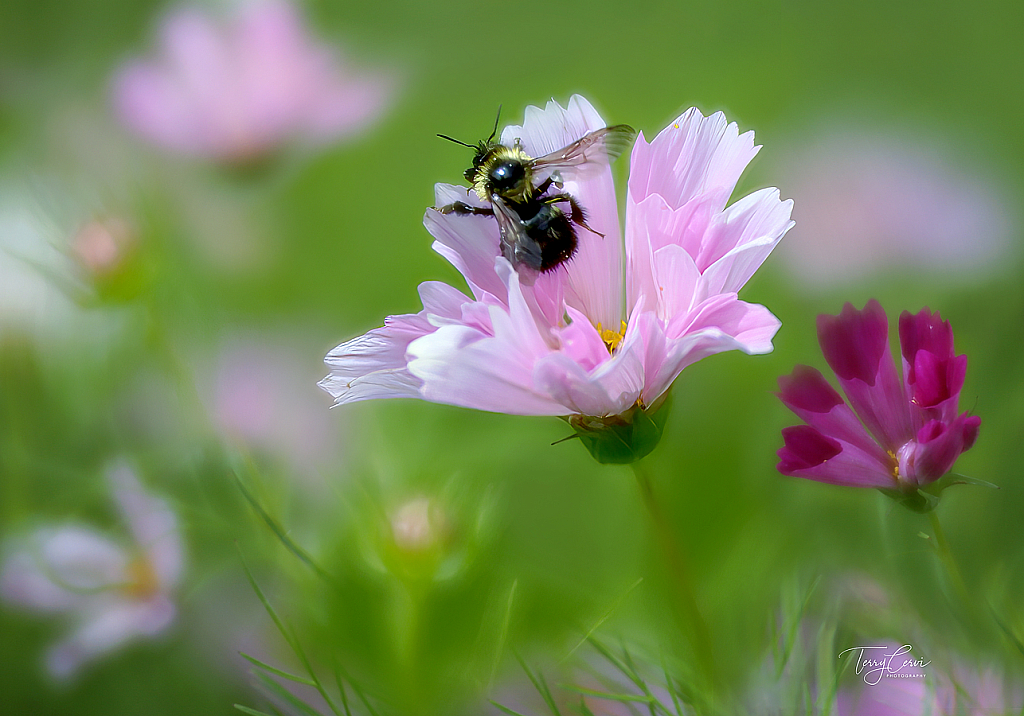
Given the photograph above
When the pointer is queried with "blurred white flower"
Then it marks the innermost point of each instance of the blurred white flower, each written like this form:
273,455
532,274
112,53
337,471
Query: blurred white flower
872,201
114,592
236,89
29,257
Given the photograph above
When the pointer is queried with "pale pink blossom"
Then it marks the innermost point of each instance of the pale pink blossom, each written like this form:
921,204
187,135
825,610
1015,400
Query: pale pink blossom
611,328
102,245
237,89
114,591
874,201
259,396
906,684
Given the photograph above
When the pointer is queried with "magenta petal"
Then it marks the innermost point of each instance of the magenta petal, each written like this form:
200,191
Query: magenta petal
856,346
933,375
854,342
971,425
936,449
807,390
807,453
925,331
928,383
804,448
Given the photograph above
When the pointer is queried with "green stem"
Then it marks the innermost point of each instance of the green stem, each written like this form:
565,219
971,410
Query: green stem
949,563
694,623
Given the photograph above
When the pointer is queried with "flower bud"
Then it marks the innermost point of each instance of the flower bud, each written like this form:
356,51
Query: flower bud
624,438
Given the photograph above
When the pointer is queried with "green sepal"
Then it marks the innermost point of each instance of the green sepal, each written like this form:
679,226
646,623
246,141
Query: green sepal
925,499
914,500
621,439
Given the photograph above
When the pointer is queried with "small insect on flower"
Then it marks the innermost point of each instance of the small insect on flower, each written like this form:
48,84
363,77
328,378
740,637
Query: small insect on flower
536,234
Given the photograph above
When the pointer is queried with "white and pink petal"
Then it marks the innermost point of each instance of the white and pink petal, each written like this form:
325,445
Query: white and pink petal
690,157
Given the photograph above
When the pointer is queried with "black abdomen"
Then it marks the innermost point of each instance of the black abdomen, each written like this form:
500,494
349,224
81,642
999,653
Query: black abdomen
553,232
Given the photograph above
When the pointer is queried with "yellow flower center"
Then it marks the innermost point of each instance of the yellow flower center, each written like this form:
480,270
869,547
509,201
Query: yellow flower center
142,581
612,339
895,464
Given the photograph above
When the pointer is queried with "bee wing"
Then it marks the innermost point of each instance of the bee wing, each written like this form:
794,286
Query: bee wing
516,244
589,152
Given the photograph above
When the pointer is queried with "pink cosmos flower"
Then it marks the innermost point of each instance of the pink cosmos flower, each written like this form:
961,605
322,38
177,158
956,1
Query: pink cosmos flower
236,90
877,199
258,395
908,433
114,592
611,328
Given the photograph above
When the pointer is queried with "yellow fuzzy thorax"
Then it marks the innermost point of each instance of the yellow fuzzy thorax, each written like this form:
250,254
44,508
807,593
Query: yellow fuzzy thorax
498,154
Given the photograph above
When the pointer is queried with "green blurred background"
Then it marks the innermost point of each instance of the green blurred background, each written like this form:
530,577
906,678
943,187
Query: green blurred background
309,249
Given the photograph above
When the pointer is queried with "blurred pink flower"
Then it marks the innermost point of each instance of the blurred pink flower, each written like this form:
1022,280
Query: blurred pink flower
611,328
908,433
872,201
257,395
235,91
910,689
114,592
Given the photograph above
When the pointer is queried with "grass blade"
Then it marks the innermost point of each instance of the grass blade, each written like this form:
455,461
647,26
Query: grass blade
277,672
249,711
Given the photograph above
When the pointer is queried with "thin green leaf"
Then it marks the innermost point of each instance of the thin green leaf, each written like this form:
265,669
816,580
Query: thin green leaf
505,709
249,711
604,618
266,603
358,689
1007,631
670,686
792,633
286,695
503,634
654,703
541,685
274,670
617,663
280,533
316,680
639,698
288,636
341,689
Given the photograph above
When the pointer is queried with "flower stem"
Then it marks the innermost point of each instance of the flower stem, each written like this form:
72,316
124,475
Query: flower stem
949,563
693,620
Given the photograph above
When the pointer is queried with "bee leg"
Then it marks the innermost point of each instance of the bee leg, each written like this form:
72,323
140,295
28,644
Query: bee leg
578,215
463,209
544,185
547,184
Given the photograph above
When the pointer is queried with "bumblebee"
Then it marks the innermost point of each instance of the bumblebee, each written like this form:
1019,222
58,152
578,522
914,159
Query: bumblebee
537,229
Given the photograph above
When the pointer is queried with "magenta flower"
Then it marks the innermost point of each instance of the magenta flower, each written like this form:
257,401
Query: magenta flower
234,91
609,330
114,592
908,433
